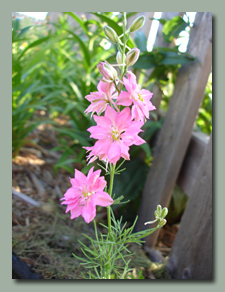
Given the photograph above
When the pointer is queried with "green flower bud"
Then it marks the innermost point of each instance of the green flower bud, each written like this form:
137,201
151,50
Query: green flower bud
137,24
119,58
162,222
132,57
108,72
157,214
111,34
164,212
159,209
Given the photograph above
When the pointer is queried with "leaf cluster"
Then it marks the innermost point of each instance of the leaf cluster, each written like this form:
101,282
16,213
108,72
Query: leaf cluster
108,256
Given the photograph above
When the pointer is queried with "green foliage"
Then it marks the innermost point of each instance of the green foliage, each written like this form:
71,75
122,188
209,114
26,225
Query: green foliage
204,119
25,87
108,255
162,57
177,205
53,72
173,27
140,41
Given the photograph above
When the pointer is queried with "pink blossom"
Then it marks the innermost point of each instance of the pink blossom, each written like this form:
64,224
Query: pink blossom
100,99
115,133
140,98
86,192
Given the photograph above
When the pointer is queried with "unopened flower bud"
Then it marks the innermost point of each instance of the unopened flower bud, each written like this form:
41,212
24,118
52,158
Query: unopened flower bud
159,209
132,57
162,222
119,58
108,72
111,34
137,24
157,215
164,212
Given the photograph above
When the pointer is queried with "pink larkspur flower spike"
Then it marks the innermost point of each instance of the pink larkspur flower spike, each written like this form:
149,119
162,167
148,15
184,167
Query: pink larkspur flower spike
115,132
138,98
85,194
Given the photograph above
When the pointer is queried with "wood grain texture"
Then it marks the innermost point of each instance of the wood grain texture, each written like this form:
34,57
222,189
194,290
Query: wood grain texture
174,137
191,254
192,160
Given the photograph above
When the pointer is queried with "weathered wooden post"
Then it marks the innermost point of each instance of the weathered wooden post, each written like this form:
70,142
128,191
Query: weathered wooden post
176,132
191,254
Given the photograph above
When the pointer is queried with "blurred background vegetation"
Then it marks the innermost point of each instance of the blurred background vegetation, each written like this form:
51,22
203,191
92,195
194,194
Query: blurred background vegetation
54,68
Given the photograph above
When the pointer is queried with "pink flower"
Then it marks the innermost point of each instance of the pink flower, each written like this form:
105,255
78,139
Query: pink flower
86,192
115,133
139,98
100,99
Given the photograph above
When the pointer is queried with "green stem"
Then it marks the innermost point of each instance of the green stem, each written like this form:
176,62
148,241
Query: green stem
110,193
124,48
96,232
112,168
112,172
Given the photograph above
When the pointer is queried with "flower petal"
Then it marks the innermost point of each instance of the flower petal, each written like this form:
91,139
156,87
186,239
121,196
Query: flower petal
114,152
124,150
137,113
98,107
105,87
80,177
103,121
101,199
88,211
146,94
124,99
72,206
71,193
123,119
76,212
101,147
98,132
111,114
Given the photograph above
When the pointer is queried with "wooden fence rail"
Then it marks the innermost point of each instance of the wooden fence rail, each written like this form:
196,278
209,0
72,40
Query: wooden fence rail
170,151
191,254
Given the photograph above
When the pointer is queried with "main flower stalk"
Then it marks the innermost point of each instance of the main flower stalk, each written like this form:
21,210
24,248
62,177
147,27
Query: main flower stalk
116,130
112,172
110,193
